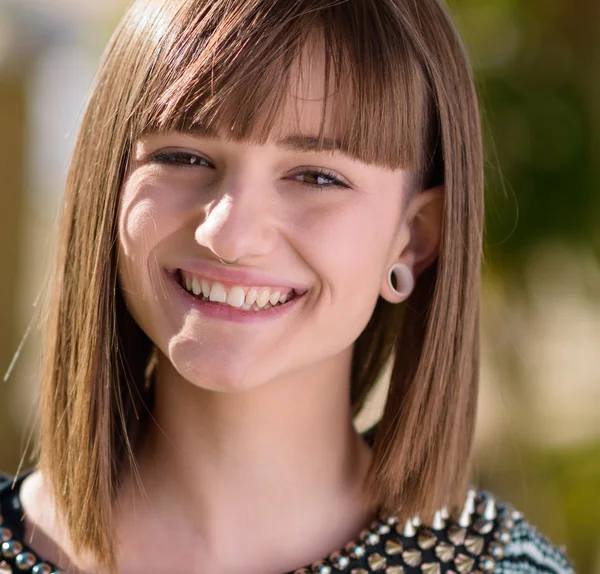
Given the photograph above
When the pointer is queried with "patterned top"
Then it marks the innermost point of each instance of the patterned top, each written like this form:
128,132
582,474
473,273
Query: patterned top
487,537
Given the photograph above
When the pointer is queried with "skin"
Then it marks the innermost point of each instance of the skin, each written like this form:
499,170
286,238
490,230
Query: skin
264,469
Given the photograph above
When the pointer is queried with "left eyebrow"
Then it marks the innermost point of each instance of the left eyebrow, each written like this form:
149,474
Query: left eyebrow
302,143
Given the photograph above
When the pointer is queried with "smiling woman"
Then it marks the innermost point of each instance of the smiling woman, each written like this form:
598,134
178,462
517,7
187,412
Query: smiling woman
268,201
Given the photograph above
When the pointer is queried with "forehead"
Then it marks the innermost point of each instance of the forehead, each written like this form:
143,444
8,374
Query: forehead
310,111
313,94
366,100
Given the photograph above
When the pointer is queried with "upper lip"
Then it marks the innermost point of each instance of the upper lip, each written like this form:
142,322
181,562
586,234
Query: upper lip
239,276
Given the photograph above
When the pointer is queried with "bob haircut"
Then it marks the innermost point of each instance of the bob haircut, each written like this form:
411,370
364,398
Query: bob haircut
407,100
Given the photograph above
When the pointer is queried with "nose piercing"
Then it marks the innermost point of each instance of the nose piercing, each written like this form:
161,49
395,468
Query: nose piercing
227,262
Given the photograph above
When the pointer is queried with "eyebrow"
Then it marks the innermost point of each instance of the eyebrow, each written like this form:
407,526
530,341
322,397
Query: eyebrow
298,143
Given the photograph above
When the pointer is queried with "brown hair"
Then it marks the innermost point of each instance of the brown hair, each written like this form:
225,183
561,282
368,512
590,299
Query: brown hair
409,101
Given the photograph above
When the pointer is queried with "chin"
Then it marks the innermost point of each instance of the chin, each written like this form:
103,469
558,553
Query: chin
219,373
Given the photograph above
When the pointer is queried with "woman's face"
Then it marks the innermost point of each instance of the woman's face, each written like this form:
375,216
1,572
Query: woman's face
321,224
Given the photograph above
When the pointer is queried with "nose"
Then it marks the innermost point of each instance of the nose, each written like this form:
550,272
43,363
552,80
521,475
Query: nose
240,223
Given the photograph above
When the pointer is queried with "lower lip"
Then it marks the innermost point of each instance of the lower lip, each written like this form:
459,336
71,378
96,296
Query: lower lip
229,313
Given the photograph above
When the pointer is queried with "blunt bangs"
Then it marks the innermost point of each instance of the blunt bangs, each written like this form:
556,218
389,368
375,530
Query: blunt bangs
229,72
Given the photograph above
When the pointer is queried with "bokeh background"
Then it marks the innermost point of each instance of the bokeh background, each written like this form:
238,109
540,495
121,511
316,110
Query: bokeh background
537,64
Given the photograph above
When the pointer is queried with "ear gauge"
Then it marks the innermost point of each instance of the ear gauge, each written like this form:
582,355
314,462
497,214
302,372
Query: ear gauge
404,279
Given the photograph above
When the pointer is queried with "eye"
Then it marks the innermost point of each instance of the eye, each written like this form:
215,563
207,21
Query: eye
181,158
320,178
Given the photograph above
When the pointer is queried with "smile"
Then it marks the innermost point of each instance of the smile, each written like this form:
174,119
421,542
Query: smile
255,298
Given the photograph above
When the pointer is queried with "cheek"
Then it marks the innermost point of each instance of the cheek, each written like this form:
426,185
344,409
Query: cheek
141,216
349,244
143,222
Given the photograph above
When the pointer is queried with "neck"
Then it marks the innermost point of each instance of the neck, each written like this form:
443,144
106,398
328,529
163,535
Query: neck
277,463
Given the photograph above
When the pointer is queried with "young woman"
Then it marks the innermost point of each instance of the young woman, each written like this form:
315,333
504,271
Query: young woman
268,201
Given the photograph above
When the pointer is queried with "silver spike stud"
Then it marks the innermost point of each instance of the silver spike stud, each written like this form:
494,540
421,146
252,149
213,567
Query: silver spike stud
489,513
426,539
465,518
340,561
409,529
474,544
496,550
464,563
412,557
470,502
321,567
393,547
483,526
356,550
11,548
487,563
438,521
25,560
445,513
456,534
431,568
444,551
376,561
369,538
507,522
416,520
503,536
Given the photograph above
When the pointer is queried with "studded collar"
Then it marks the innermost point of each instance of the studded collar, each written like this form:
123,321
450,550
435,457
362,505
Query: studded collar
472,542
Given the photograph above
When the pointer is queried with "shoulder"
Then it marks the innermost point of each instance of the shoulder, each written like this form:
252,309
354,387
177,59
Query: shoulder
10,504
485,536
6,480
517,546
531,552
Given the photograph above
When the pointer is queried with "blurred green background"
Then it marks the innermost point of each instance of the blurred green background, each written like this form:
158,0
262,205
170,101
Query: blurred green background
537,64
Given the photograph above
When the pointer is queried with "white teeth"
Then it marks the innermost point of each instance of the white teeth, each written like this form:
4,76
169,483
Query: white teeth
255,299
263,298
251,296
235,297
217,293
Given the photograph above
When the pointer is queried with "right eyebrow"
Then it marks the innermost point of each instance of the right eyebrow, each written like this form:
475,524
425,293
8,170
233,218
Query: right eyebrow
295,142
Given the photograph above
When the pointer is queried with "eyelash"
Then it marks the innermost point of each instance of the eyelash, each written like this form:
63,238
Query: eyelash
170,158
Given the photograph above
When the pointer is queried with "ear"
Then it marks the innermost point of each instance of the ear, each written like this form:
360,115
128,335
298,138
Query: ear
418,240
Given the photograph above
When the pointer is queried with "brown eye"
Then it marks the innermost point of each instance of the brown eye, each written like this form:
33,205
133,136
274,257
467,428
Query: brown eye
319,179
